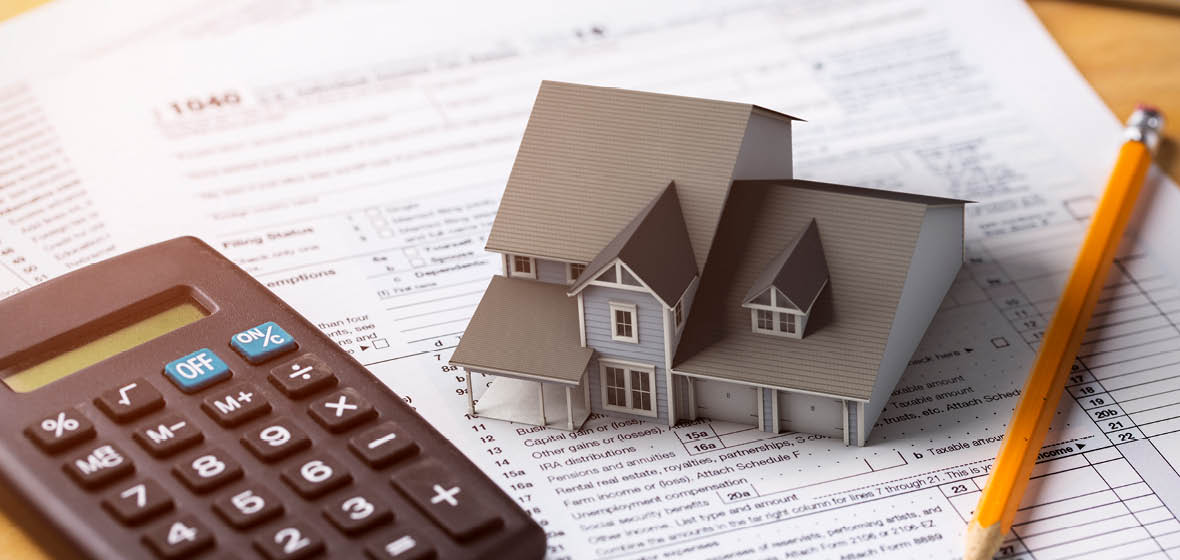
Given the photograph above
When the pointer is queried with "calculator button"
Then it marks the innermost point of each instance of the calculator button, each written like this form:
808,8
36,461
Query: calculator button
197,371
400,545
130,401
290,541
382,444
302,376
445,499
135,503
262,343
100,464
179,537
60,430
247,507
234,406
207,471
341,410
316,476
357,512
167,436
275,440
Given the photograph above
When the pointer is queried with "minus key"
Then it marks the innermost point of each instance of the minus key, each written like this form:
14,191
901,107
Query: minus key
382,445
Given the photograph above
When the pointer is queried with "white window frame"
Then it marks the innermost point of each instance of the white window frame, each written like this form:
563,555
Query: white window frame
628,368
678,314
634,311
776,317
512,271
569,272
619,267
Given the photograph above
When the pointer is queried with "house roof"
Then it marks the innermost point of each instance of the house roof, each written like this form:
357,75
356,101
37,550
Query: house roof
868,238
798,273
525,327
592,157
654,246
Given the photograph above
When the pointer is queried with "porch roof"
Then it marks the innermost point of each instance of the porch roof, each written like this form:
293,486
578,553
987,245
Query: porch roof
527,328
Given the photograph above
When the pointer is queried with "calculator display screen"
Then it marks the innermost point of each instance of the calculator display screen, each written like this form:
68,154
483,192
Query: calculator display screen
86,355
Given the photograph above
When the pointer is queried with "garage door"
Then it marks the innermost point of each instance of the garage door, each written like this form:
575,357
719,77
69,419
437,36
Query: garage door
729,402
811,414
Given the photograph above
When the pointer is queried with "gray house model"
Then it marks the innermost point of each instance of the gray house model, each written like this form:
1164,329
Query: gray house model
660,263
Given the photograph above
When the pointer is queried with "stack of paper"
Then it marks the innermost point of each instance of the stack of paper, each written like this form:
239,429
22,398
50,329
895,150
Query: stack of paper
351,158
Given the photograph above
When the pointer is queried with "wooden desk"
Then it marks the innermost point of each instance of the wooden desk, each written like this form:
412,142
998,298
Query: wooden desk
1127,55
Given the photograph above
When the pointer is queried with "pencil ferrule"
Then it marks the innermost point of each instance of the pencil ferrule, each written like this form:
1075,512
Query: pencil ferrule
1145,125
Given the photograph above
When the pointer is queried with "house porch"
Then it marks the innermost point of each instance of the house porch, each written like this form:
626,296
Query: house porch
532,401
526,335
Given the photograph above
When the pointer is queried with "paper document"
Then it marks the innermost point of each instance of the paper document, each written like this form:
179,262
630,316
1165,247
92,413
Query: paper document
352,160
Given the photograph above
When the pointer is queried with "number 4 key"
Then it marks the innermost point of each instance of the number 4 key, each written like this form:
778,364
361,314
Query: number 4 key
180,537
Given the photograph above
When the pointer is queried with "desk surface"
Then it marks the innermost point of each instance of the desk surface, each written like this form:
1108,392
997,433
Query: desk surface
1127,55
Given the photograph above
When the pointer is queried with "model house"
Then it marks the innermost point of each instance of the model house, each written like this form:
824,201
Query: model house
660,263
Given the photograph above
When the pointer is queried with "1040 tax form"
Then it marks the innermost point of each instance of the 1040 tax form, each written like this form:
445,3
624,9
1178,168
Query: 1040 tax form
352,158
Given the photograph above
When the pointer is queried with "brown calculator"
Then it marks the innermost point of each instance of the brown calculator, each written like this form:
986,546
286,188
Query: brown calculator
164,404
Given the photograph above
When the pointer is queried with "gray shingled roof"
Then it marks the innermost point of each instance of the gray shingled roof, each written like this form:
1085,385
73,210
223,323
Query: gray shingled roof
868,239
592,157
799,272
527,327
655,246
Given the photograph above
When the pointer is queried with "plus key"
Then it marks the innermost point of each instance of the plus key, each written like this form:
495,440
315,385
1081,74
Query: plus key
449,501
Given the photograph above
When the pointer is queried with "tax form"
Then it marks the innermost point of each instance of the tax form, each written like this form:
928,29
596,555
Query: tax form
352,160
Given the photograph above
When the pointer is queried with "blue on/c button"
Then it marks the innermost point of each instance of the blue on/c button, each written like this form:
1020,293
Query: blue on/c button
262,343
197,370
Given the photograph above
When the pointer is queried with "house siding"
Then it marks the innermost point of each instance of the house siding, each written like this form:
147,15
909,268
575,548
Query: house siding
551,271
649,350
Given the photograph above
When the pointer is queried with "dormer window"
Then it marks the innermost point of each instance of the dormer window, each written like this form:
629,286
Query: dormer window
773,314
522,266
786,322
780,300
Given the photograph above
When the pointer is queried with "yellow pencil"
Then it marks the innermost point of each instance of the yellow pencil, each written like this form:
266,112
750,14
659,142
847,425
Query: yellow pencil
1046,381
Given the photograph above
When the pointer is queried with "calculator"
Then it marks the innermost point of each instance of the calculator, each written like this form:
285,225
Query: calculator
164,404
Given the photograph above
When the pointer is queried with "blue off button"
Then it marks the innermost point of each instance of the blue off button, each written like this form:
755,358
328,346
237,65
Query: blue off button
262,343
197,370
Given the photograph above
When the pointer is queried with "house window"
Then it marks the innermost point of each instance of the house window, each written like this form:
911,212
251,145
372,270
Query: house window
628,387
640,390
678,313
765,319
615,384
770,314
574,271
786,322
623,324
523,266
